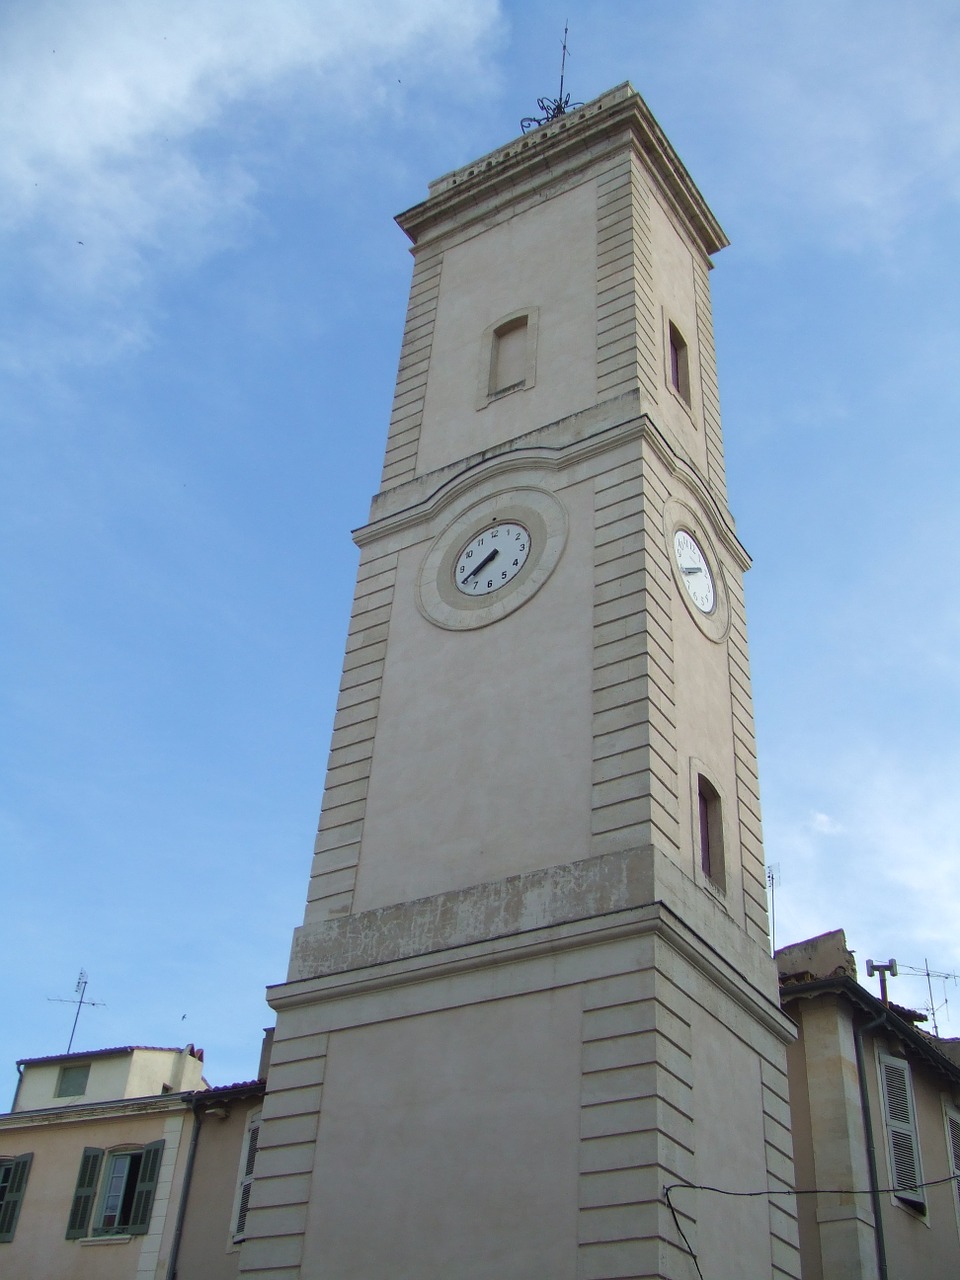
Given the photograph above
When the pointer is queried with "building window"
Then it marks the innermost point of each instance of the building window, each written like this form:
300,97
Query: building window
122,1186
245,1179
951,1118
13,1183
711,831
679,364
900,1118
508,365
73,1081
508,356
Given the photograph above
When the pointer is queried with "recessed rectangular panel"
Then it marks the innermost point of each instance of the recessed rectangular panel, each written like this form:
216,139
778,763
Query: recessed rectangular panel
448,1146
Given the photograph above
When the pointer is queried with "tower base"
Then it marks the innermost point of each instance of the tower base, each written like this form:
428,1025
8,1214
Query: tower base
500,1082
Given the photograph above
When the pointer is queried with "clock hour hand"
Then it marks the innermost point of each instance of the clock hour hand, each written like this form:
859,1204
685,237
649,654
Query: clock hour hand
482,565
693,568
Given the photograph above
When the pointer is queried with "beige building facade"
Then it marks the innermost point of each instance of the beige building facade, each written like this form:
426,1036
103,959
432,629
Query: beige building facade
532,987
876,1126
122,1164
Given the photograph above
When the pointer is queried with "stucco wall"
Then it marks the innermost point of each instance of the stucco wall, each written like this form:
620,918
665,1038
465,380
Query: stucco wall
39,1248
208,1250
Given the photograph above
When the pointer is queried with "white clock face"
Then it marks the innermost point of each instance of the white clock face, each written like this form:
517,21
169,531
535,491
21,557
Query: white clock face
492,558
694,571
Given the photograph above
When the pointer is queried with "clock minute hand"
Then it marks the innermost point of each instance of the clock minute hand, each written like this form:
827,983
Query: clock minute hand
482,565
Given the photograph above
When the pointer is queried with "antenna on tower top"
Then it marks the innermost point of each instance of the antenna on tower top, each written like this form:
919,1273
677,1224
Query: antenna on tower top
80,989
563,57
553,108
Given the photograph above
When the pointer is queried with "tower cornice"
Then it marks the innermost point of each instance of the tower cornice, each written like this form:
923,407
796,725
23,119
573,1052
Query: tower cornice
557,152
557,446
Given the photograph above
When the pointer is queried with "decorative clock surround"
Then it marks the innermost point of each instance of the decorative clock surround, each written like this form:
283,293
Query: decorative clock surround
697,570
451,595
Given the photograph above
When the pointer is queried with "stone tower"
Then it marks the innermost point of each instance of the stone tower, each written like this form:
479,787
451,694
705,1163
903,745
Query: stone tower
533,987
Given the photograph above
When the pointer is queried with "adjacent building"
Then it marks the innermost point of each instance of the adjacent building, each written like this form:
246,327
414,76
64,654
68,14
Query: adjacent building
875,1105
98,1159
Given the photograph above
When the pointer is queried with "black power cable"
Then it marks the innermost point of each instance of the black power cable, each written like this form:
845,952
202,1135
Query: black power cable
803,1191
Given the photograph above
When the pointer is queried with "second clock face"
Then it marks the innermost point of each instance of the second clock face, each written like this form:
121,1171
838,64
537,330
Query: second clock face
492,558
694,571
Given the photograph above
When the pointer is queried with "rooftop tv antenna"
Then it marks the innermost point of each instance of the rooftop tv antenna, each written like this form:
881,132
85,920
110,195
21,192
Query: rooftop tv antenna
926,972
79,1001
553,108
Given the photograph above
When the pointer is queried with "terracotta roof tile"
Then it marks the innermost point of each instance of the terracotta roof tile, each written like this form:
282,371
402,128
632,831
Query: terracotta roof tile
106,1053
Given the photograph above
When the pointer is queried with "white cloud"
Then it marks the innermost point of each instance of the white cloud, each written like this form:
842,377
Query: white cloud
110,167
850,120
824,825
884,866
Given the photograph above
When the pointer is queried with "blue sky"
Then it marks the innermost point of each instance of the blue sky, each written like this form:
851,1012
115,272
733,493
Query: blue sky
198,340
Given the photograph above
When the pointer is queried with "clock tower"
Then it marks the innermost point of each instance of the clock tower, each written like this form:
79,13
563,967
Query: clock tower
532,988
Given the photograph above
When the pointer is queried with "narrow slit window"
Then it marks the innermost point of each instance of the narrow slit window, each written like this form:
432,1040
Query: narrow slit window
508,356
508,363
679,364
711,831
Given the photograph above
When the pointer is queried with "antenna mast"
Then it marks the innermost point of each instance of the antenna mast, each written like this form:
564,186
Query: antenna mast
563,58
773,879
80,989
553,108
926,972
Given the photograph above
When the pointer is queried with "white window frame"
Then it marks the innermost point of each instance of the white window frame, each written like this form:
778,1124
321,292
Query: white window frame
903,1136
89,1203
112,1162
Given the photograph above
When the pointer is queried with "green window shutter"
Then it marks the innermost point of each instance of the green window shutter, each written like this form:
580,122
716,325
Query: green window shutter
10,1208
146,1189
84,1192
902,1131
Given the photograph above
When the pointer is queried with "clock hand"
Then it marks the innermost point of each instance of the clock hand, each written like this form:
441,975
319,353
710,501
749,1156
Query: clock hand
696,568
482,565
